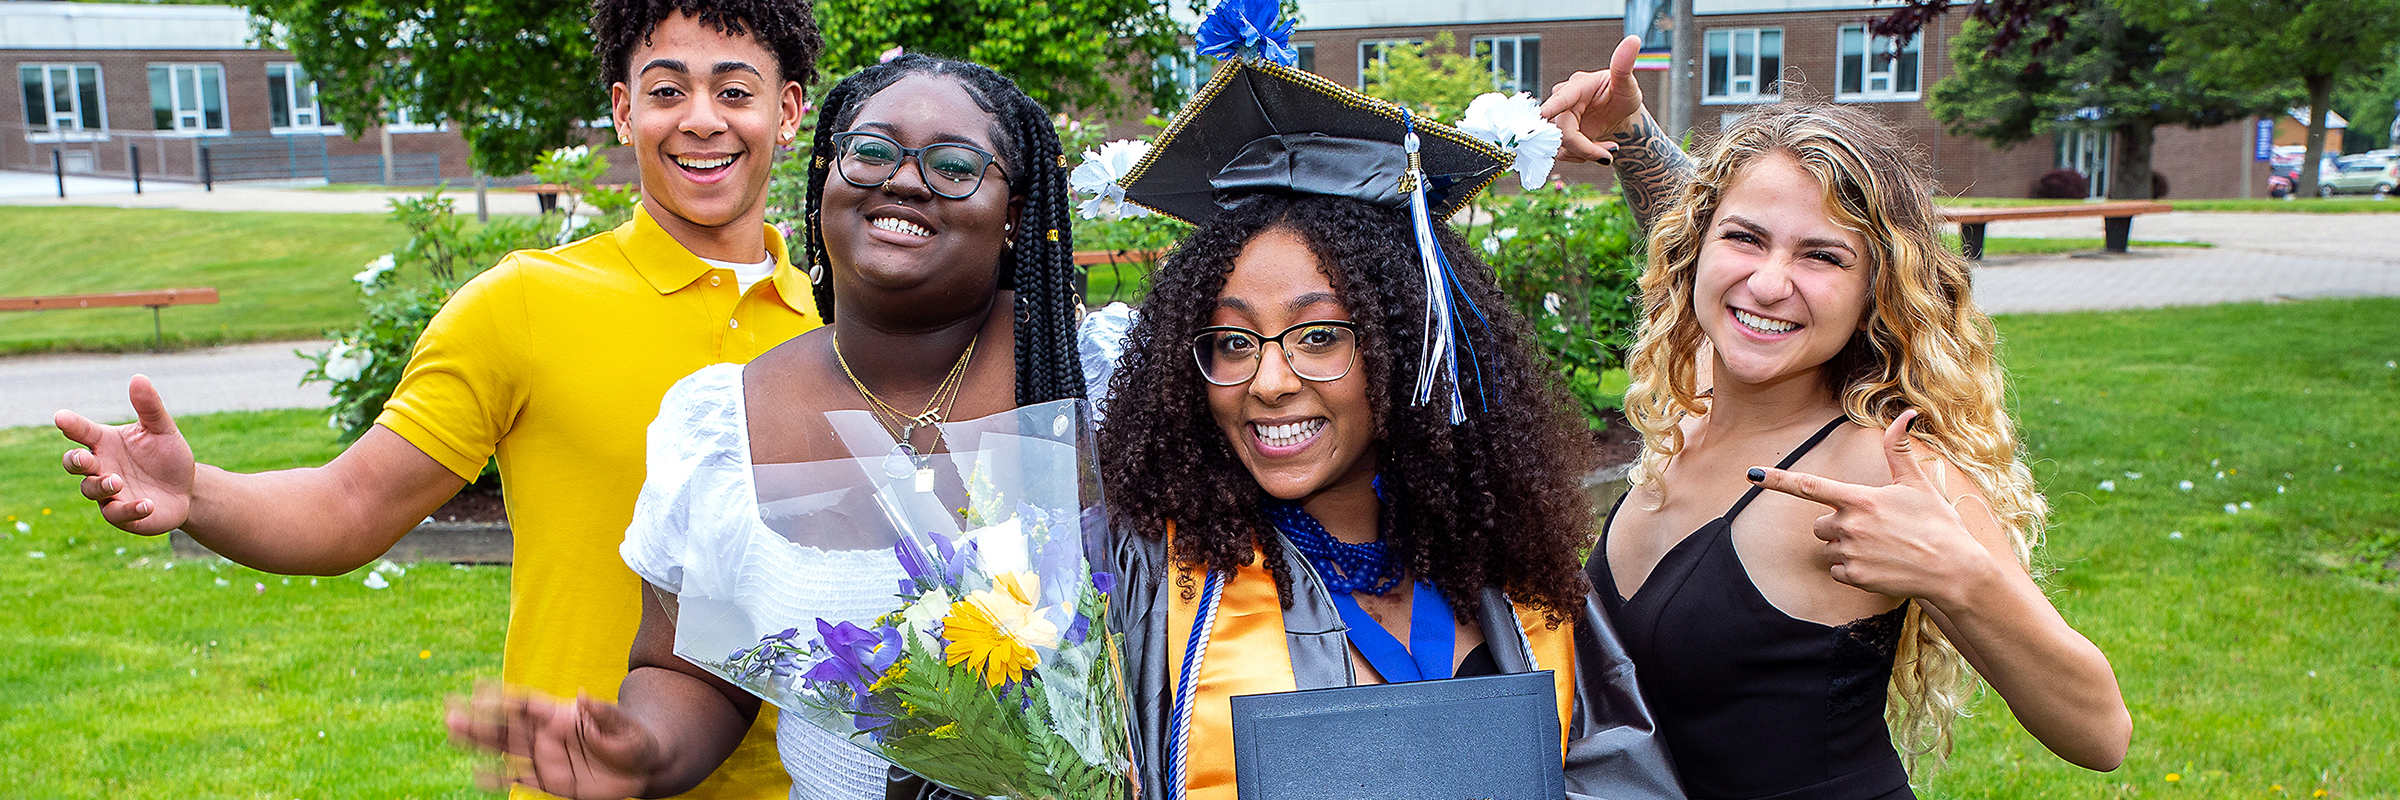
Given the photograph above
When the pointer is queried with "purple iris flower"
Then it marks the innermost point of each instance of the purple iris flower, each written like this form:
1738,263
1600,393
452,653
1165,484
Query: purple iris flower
1076,632
854,656
1104,582
1238,28
913,560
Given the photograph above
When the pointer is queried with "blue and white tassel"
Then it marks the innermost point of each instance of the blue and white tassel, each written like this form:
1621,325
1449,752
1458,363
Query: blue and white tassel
1445,330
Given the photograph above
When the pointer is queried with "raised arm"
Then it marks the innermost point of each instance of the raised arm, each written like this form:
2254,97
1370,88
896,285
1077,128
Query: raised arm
313,521
1936,540
1604,120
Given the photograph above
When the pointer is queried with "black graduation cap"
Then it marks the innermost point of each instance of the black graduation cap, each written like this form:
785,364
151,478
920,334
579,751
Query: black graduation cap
1261,127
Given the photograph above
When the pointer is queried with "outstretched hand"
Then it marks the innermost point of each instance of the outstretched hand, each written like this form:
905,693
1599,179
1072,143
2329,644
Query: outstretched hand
1899,540
140,472
583,748
1588,106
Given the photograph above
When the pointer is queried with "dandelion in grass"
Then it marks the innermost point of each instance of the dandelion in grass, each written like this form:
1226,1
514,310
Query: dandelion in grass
998,632
2184,485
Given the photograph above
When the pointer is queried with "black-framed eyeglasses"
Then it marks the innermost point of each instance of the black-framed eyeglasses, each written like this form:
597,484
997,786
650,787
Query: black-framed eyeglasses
868,159
1320,350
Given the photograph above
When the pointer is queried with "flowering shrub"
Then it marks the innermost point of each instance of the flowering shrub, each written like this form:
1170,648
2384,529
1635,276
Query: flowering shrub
579,170
401,291
1569,258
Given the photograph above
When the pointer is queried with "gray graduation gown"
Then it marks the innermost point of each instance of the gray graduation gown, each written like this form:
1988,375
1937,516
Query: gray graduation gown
1613,748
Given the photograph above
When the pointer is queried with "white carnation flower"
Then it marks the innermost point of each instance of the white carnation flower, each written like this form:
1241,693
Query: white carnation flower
346,362
373,273
1097,178
1515,124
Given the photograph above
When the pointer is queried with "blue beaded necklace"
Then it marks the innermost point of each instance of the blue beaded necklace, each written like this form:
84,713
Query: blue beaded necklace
1346,568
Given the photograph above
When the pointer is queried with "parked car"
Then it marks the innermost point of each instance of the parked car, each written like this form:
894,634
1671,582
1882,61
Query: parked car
2362,176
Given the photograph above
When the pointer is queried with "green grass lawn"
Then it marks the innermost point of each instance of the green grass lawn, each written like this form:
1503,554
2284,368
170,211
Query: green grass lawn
2257,648
279,276
2298,205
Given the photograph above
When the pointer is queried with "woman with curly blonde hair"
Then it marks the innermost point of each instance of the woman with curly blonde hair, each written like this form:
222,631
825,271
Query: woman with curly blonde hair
1797,302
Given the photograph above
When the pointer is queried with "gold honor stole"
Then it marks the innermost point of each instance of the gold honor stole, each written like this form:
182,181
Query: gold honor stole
1248,654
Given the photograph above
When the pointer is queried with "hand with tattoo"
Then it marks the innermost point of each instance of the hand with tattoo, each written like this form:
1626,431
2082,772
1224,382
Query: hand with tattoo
1605,121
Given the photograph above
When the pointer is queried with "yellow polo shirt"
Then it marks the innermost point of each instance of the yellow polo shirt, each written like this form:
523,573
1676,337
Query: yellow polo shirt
555,360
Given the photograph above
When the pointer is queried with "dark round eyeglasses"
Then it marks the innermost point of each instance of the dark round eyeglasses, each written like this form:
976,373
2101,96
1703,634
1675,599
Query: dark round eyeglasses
867,159
1322,350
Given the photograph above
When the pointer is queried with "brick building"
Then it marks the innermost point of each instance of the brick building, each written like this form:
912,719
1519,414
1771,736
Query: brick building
95,83
1755,51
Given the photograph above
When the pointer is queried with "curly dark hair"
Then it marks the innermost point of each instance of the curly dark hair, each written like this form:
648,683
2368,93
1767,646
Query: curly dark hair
1040,261
787,28
1491,501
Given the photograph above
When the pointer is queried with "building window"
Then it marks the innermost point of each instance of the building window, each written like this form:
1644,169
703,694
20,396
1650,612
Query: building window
1307,53
188,98
405,121
1871,70
62,99
292,100
1370,54
1516,62
1186,71
1744,65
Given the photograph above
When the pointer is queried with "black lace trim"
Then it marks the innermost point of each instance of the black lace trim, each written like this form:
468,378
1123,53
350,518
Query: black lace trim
1862,662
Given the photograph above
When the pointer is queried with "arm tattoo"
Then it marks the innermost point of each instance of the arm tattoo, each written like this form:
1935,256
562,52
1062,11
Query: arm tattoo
1651,170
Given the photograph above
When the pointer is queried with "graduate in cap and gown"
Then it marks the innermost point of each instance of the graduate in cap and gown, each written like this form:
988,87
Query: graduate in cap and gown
1334,454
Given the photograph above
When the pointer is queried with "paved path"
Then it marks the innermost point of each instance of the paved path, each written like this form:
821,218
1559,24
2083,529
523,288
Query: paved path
2257,257
238,378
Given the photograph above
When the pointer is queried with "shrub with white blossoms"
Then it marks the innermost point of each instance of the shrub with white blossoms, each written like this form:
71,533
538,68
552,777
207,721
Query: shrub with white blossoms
372,277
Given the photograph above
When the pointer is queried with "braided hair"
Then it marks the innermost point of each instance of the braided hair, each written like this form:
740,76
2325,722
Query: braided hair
787,29
1040,262
1492,501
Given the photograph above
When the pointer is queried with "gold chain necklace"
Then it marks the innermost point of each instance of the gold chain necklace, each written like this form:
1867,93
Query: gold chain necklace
902,425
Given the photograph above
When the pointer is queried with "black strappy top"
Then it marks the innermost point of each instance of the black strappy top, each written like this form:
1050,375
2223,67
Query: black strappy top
1753,703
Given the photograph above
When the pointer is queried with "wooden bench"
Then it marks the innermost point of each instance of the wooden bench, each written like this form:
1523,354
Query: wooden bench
156,299
2116,220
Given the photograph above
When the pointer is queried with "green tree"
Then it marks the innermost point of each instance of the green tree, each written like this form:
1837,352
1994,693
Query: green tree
2368,104
519,76
516,76
1072,55
2107,72
2271,44
1430,78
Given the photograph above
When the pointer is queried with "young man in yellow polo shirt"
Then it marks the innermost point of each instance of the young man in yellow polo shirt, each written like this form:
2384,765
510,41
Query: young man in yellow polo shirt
554,361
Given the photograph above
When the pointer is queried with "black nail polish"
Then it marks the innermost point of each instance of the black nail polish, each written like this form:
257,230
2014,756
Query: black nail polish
1757,474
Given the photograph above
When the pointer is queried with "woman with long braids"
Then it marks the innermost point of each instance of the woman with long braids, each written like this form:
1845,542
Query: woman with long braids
1810,628
939,248
1292,513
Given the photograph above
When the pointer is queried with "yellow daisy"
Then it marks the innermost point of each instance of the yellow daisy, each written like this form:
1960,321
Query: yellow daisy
996,632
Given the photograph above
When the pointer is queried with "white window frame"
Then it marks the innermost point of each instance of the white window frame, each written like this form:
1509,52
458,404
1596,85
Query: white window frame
194,120
1753,82
80,130
404,122
1488,47
1377,46
314,112
1189,70
1877,63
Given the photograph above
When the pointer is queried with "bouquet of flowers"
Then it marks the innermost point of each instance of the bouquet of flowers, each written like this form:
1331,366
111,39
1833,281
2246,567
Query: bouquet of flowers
990,669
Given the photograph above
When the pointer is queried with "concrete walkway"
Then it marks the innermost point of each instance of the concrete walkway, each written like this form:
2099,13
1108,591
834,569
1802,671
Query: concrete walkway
248,377
2257,258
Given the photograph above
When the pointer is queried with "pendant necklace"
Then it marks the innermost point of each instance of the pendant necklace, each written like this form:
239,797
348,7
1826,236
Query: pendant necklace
904,458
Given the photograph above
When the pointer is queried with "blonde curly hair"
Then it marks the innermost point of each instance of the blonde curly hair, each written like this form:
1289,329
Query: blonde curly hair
1925,346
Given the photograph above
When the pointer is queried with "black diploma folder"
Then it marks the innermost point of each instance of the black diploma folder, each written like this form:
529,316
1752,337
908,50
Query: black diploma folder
1485,738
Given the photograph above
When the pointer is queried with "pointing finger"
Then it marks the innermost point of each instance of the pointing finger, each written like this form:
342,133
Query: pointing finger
1899,449
1813,488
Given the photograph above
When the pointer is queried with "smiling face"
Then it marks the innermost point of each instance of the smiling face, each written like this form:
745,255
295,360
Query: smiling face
900,235
704,111
1298,437
1779,288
